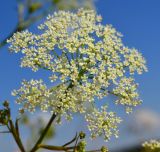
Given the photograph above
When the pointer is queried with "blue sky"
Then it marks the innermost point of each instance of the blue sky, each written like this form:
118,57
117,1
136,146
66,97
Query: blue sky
137,20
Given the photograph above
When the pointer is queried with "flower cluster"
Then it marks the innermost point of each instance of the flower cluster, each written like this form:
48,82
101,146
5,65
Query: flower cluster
126,92
81,146
87,60
151,146
103,122
32,93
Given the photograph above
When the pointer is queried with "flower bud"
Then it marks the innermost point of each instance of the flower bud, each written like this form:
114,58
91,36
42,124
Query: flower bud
4,116
82,135
6,104
104,149
81,146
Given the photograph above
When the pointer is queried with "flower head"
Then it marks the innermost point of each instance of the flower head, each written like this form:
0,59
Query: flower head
151,146
88,61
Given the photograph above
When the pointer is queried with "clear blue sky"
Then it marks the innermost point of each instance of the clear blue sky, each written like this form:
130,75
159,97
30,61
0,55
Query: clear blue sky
137,20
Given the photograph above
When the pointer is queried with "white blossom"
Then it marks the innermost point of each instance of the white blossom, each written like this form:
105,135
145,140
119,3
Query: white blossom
86,59
103,123
151,146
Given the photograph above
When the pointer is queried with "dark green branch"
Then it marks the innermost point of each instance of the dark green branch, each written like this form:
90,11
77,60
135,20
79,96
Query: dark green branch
68,143
43,133
16,136
94,150
57,148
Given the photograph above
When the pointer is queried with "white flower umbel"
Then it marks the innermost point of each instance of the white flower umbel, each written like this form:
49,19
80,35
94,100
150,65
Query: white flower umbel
88,60
151,146
102,123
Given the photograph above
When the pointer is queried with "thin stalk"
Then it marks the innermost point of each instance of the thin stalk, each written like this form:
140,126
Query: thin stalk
57,148
70,142
43,133
76,144
15,136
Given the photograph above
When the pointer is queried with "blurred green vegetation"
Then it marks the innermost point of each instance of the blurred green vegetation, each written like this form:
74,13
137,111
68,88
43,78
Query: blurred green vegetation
31,11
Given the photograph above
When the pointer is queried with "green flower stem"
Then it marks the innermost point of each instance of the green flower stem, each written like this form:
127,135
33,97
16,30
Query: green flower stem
43,133
98,150
70,142
16,136
76,143
57,148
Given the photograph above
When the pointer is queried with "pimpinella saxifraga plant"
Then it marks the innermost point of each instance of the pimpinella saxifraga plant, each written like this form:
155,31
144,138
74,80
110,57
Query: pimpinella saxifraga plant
87,62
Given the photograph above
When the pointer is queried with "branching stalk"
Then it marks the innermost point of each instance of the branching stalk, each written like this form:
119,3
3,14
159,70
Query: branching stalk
43,133
57,148
16,136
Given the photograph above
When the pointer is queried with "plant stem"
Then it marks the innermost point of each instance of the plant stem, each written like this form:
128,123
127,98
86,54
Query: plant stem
15,136
68,143
57,148
43,133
